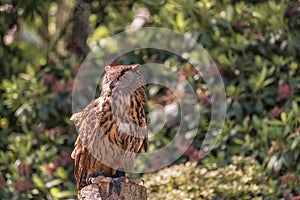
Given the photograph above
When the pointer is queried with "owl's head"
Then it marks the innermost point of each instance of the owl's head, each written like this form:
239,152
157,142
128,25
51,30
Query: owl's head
122,76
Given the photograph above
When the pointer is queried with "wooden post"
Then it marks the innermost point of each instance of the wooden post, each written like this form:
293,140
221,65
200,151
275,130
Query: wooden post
106,191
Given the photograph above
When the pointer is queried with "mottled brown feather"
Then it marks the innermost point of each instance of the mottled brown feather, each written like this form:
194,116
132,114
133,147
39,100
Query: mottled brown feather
113,128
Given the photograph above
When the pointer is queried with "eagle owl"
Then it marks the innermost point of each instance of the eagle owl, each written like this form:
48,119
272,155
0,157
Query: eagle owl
112,128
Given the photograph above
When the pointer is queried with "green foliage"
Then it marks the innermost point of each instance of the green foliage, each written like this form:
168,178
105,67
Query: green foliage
255,45
35,141
242,179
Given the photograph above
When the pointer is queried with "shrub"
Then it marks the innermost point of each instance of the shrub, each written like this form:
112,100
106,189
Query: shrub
242,179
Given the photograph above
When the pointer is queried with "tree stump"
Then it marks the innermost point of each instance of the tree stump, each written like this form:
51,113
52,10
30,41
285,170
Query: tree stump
106,191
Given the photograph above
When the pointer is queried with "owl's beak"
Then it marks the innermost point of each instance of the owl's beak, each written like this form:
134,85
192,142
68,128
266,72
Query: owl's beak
107,67
135,66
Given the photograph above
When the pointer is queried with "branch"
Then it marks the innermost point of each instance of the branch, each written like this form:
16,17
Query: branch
142,16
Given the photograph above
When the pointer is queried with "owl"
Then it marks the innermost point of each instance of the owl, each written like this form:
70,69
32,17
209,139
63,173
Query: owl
112,129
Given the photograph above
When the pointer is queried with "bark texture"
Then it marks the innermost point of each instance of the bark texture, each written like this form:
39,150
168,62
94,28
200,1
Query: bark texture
106,191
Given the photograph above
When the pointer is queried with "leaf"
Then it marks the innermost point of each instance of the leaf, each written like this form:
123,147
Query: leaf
53,183
239,113
275,122
268,81
44,112
272,162
295,143
229,13
30,71
291,116
6,84
258,106
258,60
263,75
64,194
238,141
61,173
38,181
54,191
283,117
180,19
247,139
278,164
295,107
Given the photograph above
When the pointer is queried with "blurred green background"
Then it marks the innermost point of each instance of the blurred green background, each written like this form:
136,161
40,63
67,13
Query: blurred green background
255,45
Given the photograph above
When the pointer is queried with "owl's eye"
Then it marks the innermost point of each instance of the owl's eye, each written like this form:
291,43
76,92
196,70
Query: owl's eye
111,85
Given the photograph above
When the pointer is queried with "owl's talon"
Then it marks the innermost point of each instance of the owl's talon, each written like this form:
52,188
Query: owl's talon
89,180
101,179
90,177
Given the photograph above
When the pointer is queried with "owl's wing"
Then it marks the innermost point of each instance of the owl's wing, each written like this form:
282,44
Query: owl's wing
80,155
87,125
